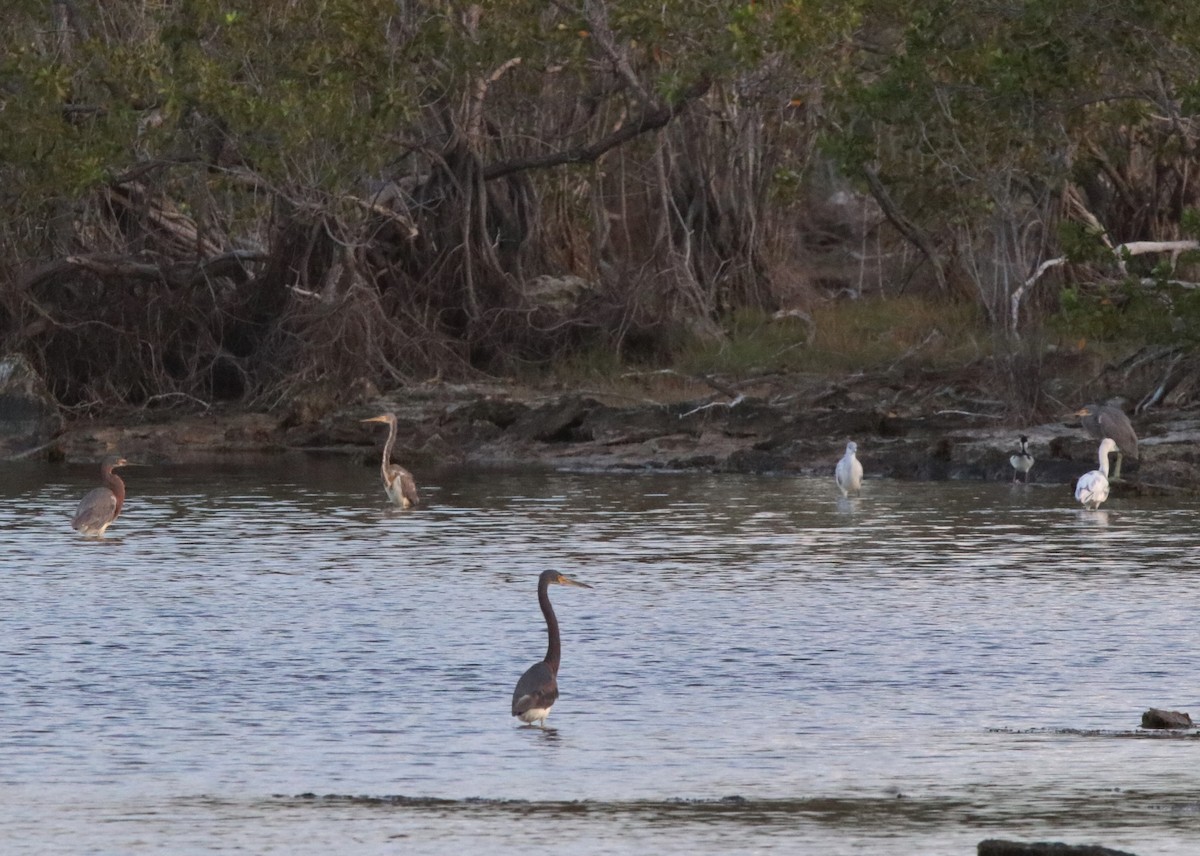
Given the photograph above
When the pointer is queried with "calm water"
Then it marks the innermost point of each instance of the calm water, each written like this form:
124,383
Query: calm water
267,659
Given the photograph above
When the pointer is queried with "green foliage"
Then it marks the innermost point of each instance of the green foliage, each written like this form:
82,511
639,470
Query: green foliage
754,342
1081,243
990,126
876,333
844,336
1129,313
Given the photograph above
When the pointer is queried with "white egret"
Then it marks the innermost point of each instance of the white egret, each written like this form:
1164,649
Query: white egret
1092,487
849,472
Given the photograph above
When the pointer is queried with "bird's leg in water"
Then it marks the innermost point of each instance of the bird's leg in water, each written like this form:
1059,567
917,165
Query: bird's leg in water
1116,474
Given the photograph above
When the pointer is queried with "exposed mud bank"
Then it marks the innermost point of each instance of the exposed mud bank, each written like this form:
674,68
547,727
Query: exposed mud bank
796,426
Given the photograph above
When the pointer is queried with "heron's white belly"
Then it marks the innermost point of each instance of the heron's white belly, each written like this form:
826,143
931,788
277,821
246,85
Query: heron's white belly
534,714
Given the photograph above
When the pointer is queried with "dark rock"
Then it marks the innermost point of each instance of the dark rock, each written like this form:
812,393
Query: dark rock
558,422
618,425
498,411
753,461
998,847
795,424
29,415
1155,718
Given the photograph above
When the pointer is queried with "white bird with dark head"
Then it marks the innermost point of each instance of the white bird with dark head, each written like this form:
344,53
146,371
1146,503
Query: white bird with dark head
1022,461
1092,487
849,472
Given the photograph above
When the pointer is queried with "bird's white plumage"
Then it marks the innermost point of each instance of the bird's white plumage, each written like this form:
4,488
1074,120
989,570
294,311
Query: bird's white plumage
534,714
849,472
1022,461
399,485
1092,487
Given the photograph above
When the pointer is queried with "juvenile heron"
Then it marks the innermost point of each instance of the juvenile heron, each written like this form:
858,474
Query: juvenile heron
1022,461
398,482
100,506
1092,487
1106,420
849,473
538,687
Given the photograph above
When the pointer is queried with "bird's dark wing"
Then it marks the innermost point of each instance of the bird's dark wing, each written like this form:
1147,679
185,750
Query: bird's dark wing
96,508
408,487
1117,426
401,486
538,688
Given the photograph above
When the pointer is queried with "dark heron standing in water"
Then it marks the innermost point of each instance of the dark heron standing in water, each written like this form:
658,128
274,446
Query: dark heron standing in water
398,482
1107,421
100,506
1092,487
1022,461
538,687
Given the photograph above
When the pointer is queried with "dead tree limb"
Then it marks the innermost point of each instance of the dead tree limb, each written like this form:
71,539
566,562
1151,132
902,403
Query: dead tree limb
903,225
651,120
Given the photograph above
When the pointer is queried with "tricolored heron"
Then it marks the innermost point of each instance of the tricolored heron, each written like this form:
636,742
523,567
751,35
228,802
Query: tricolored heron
398,482
1106,420
538,687
1022,461
848,473
100,506
1092,487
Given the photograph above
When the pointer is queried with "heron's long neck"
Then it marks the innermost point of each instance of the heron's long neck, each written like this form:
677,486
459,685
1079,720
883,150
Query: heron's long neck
387,447
554,649
114,483
1104,463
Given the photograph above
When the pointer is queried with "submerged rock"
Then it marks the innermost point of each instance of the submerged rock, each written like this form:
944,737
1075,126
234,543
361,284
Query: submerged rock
998,847
1155,718
29,415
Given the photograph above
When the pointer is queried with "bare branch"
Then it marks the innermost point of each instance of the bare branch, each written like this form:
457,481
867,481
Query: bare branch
651,120
905,227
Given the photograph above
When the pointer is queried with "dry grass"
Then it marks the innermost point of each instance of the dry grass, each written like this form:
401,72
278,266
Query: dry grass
841,338
845,337
873,334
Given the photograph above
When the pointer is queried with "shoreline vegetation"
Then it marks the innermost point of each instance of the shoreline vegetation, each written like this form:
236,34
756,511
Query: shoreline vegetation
805,224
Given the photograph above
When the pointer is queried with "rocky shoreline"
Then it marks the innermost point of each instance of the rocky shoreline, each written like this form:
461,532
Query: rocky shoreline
781,425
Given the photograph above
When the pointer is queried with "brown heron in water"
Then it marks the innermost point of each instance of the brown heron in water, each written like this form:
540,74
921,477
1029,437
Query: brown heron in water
1022,461
1092,487
1107,420
849,472
398,482
100,506
538,687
